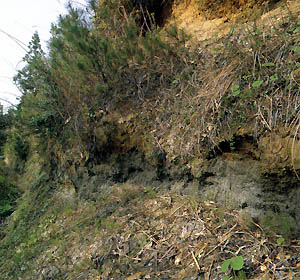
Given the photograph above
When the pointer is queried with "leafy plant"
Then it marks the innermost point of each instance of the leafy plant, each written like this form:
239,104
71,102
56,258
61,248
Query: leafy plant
268,64
235,264
257,83
297,28
280,241
235,90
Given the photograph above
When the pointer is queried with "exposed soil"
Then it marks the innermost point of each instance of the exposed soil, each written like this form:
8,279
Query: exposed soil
188,17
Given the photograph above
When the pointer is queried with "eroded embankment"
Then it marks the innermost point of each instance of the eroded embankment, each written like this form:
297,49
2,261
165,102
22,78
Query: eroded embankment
217,121
254,176
137,215
128,217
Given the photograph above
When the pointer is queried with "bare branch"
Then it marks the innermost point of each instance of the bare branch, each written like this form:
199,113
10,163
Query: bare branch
8,102
17,41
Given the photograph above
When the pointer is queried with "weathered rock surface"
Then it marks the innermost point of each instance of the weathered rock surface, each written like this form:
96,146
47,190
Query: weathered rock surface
257,179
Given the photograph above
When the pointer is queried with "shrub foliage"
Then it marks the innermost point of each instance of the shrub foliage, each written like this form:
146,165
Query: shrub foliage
102,60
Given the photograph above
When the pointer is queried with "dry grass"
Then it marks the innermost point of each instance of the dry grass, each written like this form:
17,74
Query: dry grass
201,106
166,237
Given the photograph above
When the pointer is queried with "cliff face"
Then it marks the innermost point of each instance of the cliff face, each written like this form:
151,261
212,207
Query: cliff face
145,139
272,159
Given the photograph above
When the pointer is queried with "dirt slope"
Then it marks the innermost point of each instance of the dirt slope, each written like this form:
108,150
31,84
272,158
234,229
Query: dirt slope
188,17
129,232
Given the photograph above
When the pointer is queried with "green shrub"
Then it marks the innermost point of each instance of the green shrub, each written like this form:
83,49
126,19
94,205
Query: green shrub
16,150
105,63
8,195
6,121
280,224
